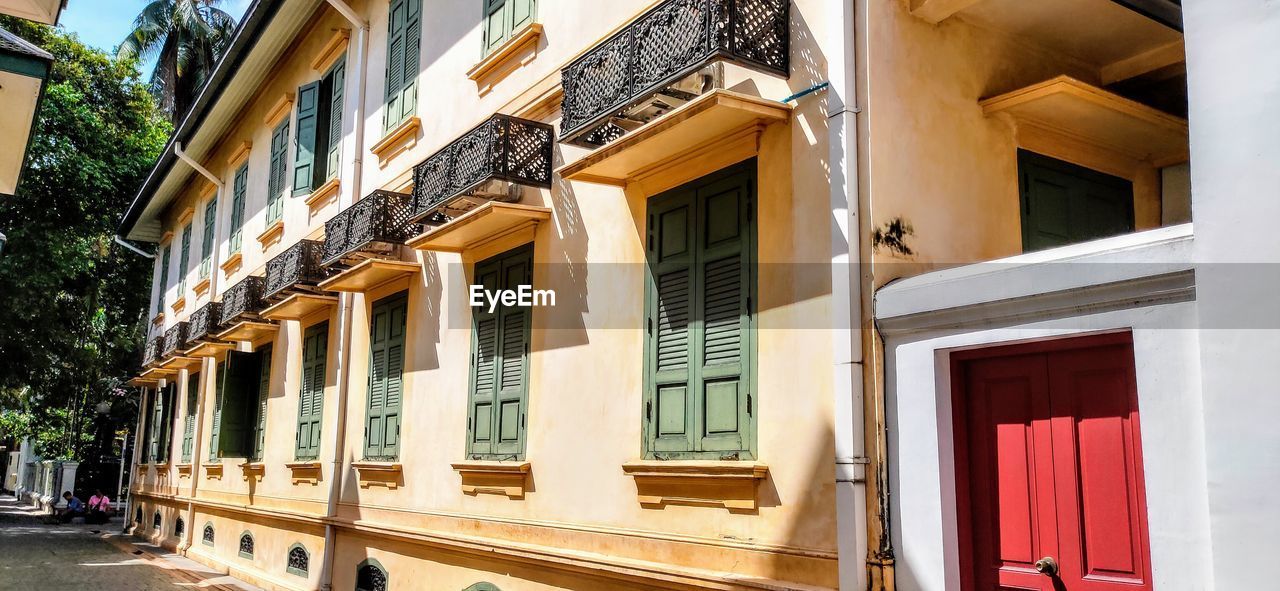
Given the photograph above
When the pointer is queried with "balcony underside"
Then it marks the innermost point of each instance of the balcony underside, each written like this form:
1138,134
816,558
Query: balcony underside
474,229
248,330
370,274
299,306
210,349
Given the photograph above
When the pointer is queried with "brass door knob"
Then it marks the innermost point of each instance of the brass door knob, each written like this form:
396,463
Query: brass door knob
1047,566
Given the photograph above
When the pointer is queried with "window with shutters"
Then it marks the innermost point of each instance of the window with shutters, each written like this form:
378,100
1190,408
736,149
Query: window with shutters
319,136
238,188
164,279
145,410
699,357
184,257
277,171
189,416
504,17
161,421
240,401
404,36
214,431
500,361
260,409
387,319
206,241
315,349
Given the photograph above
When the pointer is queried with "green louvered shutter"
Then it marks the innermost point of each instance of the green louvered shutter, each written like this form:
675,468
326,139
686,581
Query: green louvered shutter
276,177
145,409
404,37
500,361
304,155
412,49
162,415
239,186
189,416
164,279
206,241
386,366
219,374
315,349
260,409
157,409
504,17
336,81
183,259
236,432
698,367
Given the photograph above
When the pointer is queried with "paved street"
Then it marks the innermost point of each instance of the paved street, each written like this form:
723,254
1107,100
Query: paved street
37,556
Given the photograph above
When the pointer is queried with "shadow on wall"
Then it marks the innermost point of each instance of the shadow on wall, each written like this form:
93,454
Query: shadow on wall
566,255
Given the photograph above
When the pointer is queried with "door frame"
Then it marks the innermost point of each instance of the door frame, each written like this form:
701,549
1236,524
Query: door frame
960,435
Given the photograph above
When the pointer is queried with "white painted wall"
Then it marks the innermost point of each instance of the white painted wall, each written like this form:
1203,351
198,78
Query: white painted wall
1233,63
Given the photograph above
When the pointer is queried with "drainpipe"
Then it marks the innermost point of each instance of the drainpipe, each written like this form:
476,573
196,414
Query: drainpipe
136,250
345,199
846,291
206,364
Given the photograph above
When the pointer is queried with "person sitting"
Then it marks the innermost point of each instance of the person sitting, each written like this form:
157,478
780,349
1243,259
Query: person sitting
99,507
75,507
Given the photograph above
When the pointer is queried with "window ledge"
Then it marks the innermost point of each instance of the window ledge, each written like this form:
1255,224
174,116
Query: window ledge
213,471
272,235
322,196
179,305
201,287
232,264
369,275
517,51
184,470
304,471
158,320
282,108
729,484
253,470
239,153
397,140
508,478
370,473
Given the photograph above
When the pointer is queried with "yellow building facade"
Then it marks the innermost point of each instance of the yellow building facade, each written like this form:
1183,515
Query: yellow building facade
327,406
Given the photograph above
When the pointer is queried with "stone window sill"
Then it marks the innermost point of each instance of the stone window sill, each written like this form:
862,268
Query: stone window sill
213,471
400,138
184,470
517,51
508,478
729,484
253,470
201,287
179,305
322,196
371,473
232,264
272,235
304,471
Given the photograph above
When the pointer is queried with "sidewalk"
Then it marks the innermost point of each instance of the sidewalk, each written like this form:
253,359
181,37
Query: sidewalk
35,555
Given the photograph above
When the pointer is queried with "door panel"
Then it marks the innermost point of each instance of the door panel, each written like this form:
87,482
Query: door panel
1049,462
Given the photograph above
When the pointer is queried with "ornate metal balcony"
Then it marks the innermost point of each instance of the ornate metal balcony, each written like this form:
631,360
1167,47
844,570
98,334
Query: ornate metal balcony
503,148
204,323
151,351
243,301
296,269
655,63
175,340
374,225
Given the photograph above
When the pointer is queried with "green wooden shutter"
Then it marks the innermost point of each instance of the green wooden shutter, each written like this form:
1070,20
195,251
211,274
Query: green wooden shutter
239,186
304,155
206,242
315,350
500,364
412,51
260,409
219,374
145,407
164,279
504,17
386,366
189,416
700,243
183,259
162,414
276,176
1063,203
336,80
404,36
240,375
157,422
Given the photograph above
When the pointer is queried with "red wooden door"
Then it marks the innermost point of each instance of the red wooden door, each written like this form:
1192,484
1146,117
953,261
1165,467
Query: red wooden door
1049,464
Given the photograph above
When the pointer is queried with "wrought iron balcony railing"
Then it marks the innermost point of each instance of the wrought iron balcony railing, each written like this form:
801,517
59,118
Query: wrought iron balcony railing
204,323
242,301
151,351
175,340
661,48
502,148
297,268
375,224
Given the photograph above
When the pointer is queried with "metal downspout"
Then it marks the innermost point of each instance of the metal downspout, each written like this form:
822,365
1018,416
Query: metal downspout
206,364
345,199
846,290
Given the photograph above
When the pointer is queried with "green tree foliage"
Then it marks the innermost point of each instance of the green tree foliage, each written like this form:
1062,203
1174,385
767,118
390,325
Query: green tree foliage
186,37
72,302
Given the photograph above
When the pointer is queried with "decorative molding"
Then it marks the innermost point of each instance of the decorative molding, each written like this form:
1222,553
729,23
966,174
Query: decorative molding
253,470
232,264
166,237
207,189
399,139
493,477
322,196
240,153
729,484
184,470
213,471
272,235
516,52
187,214
334,47
304,472
388,474
201,287
179,305
158,320
278,111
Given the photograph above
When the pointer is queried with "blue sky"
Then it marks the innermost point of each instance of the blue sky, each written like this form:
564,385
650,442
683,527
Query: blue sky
103,23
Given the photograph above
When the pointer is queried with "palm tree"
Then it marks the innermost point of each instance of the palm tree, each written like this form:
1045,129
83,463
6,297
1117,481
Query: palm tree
186,38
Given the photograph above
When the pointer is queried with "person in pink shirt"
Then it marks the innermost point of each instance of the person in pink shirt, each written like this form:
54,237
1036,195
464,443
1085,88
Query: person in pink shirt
99,507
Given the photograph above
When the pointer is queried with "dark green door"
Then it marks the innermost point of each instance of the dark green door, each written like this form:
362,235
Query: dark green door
387,321
1064,204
